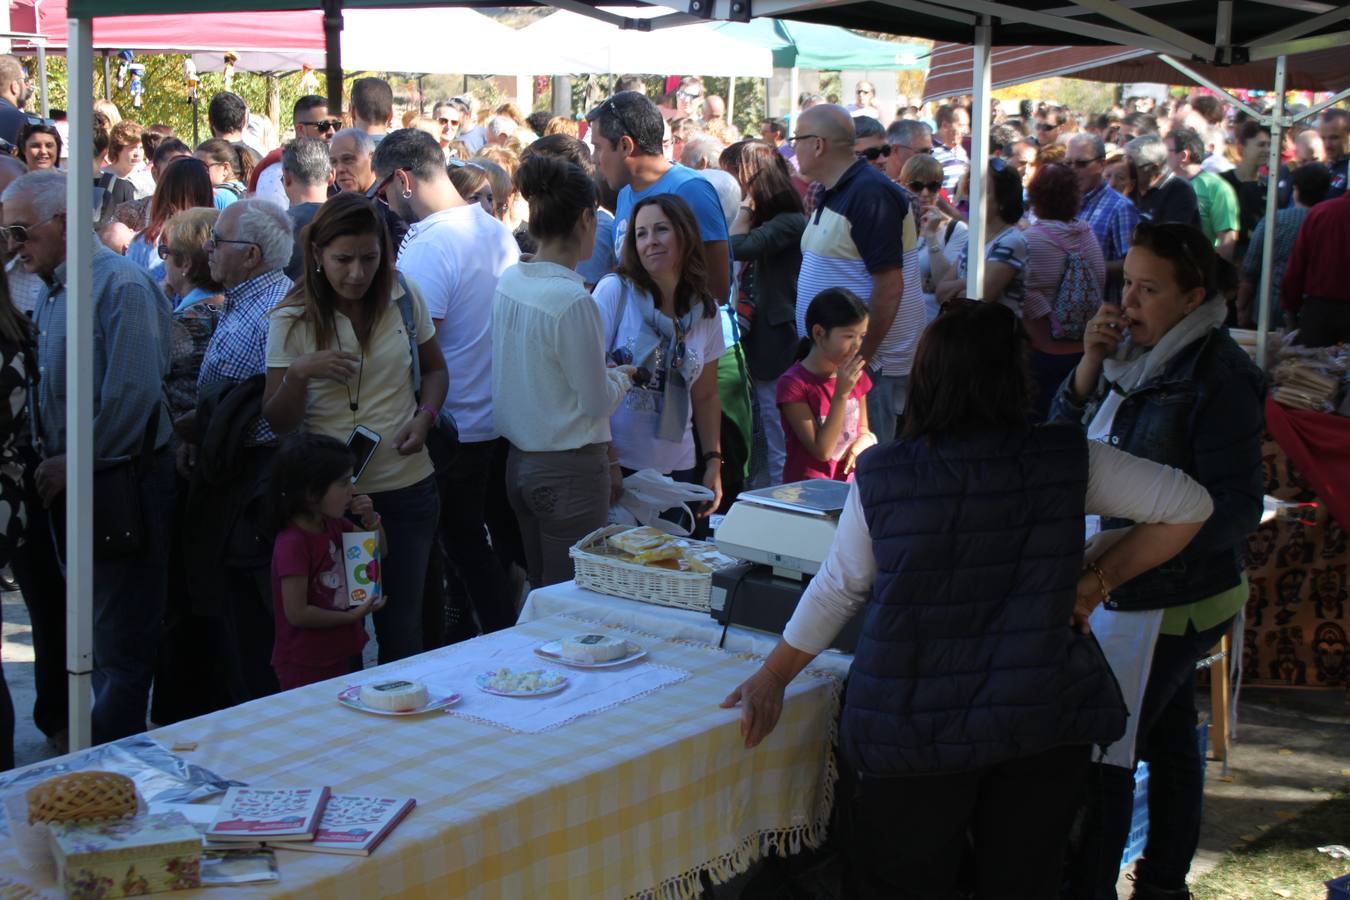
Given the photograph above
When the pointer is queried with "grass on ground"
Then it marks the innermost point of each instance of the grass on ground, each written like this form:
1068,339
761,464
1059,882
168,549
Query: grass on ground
1284,862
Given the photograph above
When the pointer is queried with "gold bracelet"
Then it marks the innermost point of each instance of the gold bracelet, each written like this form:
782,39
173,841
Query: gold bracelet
1101,579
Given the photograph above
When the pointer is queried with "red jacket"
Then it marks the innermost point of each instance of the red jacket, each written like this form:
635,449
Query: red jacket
1320,263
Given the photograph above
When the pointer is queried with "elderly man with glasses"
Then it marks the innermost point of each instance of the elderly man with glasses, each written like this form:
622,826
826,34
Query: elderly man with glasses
866,94
1109,213
1163,197
132,337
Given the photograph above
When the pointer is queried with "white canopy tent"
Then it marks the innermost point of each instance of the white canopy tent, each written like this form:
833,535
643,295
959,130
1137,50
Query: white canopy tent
604,47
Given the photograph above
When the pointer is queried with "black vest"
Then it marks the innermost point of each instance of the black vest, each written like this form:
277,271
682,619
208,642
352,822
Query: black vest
966,656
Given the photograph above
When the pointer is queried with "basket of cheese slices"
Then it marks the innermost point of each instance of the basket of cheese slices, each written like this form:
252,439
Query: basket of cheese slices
648,564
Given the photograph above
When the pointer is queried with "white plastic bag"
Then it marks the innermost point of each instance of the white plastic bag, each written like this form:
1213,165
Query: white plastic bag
648,493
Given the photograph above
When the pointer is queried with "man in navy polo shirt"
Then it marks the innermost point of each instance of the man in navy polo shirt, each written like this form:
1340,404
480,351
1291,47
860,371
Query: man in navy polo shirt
861,236
15,91
627,131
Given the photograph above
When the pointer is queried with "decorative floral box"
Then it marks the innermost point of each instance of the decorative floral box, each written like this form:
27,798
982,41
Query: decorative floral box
126,857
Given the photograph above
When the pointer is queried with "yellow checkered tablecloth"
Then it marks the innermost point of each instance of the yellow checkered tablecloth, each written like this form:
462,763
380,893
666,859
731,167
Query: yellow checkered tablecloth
633,801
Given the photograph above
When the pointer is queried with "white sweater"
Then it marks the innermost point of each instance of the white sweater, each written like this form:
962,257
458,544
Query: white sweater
550,387
1119,485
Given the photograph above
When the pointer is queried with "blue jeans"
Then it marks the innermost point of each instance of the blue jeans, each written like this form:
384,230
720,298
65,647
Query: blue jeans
129,601
886,405
1166,741
409,516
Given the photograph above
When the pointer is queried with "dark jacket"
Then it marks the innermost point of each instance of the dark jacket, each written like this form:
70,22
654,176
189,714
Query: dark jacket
966,657
1203,414
774,251
222,521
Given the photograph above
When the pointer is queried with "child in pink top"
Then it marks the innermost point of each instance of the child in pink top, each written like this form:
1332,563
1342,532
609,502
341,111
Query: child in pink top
318,636
821,396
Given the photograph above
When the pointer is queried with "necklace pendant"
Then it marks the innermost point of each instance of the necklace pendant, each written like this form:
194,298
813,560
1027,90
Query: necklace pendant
353,406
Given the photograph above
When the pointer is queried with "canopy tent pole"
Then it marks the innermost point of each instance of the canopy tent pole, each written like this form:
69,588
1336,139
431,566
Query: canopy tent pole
42,78
731,98
332,36
80,387
1205,82
794,87
979,159
1272,206
107,77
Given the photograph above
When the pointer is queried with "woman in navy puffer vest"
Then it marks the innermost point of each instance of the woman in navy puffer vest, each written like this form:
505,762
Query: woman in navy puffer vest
976,690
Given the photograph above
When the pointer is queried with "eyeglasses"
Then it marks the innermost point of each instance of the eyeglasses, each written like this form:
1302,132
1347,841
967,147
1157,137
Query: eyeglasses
214,240
323,126
1168,237
923,151
163,250
690,95
19,234
447,122
862,91
1045,126
872,154
1083,163
612,108
802,137
377,192
918,187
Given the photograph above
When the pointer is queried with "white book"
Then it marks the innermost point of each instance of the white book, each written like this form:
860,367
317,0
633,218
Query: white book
253,814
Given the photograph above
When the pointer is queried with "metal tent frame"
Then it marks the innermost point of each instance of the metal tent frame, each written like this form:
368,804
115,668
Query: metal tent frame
1221,32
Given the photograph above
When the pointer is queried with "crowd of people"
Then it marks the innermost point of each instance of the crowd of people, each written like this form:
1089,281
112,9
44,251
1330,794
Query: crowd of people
464,334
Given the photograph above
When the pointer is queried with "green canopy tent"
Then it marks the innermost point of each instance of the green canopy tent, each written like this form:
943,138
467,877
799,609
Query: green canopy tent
806,45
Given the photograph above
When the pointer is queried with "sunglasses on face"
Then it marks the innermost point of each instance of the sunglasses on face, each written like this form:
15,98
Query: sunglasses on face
872,154
1082,163
163,250
323,126
446,122
919,187
1045,126
925,151
19,234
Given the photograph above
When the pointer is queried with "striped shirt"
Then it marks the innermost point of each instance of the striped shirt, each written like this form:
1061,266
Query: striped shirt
862,225
1112,218
954,164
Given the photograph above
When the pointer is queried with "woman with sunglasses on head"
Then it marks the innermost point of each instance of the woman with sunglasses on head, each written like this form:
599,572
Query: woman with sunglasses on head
1065,279
185,184
766,237
1161,378
975,693
941,238
1005,250
659,315
340,362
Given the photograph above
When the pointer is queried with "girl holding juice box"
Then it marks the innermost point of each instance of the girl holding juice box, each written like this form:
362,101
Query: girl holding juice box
822,396
318,634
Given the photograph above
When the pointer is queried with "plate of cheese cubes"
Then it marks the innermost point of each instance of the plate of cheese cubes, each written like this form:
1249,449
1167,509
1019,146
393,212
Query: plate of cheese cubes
506,682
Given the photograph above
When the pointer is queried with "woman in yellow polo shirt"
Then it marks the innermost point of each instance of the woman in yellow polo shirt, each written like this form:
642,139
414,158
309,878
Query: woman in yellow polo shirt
340,358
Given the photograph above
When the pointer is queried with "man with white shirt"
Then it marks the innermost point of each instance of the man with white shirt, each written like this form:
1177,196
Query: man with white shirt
455,251
953,124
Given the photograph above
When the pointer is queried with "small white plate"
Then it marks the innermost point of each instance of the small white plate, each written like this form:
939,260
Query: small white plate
552,651
352,697
484,683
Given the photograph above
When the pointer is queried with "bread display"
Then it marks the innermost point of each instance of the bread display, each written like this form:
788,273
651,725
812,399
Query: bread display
652,547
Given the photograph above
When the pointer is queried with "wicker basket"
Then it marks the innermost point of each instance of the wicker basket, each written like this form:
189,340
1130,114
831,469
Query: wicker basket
82,797
663,587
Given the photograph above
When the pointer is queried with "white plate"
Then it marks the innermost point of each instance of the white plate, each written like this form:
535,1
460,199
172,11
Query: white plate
484,684
552,651
352,697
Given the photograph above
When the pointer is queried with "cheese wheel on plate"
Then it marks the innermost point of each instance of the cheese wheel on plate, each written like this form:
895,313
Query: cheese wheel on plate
394,696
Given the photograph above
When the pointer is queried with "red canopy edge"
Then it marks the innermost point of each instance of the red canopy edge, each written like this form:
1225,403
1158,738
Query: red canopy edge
257,31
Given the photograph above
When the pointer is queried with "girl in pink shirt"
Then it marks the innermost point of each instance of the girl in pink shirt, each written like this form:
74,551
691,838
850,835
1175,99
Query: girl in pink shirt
821,396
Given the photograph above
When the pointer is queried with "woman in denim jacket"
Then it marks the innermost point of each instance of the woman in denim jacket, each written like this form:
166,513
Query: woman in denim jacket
1160,378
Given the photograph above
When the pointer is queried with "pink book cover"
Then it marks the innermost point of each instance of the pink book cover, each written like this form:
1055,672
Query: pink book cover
248,814
354,824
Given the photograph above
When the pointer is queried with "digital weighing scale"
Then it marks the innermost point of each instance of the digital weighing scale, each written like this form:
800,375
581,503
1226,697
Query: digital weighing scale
783,534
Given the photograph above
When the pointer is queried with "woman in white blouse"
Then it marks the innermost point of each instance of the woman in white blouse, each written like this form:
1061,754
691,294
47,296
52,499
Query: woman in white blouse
552,393
659,314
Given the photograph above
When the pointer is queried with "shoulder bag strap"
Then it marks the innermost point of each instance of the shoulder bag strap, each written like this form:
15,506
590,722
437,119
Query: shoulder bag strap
410,325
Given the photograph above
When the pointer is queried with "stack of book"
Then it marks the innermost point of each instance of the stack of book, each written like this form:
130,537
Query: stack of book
308,818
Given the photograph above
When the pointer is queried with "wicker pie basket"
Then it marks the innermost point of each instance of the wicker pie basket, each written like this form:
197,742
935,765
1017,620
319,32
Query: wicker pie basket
82,797
663,587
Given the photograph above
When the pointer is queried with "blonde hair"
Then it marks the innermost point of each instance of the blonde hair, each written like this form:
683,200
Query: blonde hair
410,115
510,109
109,109
430,126
502,156
185,234
562,125
921,167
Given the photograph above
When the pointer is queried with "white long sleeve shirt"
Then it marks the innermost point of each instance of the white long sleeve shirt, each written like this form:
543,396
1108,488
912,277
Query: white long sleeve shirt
550,387
1119,485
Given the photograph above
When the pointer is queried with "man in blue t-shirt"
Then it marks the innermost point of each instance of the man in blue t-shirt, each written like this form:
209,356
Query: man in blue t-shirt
626,131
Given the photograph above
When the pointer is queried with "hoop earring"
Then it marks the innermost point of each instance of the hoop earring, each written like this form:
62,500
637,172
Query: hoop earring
407,193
